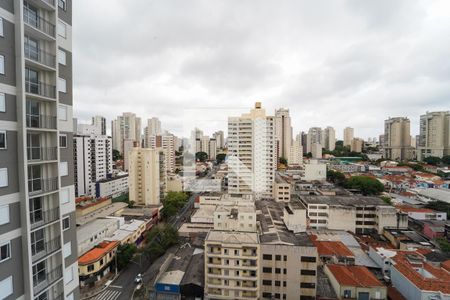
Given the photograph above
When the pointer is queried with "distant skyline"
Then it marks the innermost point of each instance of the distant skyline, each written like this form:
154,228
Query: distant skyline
332,63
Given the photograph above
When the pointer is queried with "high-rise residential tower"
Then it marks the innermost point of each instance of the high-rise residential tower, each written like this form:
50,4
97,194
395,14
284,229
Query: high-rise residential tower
296,153
314,137
397,139
125,127
251,153
220,140
167,143
348,136
283,132
97,127
434,137
329,138
37,207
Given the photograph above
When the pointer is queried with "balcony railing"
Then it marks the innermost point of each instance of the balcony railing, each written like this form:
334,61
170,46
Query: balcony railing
42,217
41,89
41,121
37,22
42,153
49,247
40,56
41,186
49,2
40,282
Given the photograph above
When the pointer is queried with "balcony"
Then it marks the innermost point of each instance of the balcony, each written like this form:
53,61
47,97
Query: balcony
44,279
41,217
49,2
40,154
41,121
40,89
41,186
38,23
47,248
40,56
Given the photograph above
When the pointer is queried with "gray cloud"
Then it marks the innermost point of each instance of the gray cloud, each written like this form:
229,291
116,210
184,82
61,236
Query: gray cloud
339,63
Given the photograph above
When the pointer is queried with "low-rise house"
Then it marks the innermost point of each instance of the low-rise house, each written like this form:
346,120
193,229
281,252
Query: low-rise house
112,187
406,239
97,263
95,232
417,213
355,282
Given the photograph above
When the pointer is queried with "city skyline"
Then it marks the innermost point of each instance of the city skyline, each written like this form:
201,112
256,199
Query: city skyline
332,64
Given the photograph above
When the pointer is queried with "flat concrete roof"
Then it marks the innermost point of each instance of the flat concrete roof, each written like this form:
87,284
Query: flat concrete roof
353,200
101,213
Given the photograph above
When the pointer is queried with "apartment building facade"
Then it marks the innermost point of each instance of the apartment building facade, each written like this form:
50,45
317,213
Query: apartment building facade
329,138
125,127
37,210
251,153
165,142
348,136
315,136
283,132
397,139
434,136
92,162
97,127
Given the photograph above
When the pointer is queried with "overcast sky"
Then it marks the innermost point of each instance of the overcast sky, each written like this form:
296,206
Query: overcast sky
332,63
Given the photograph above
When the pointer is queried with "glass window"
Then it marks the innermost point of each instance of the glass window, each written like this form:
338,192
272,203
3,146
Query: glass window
2,139
62,4
4,177
63,141
63,168
2,64
1,26
62,87
37,241
62,113
61,57
6,287
5,251
2,102
62,29
66,223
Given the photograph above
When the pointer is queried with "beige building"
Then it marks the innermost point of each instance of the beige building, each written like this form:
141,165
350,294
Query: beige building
125,127
316,150
314,136
281,189
147,176
329,138
283,132
165,142
251,153
220,139
434,137
348,136
296,153
397,139
357,145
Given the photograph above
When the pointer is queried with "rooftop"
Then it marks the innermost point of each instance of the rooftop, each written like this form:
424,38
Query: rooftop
406,208
86,231
97,252
234,237
357,276
101,212
353,200
332,248
435,194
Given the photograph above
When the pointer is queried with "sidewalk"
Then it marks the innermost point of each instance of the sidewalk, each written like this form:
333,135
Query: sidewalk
88,293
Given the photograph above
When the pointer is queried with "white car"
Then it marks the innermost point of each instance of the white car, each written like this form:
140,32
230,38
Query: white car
138,278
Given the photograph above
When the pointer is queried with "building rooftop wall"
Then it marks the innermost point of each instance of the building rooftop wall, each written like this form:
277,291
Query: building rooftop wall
353,200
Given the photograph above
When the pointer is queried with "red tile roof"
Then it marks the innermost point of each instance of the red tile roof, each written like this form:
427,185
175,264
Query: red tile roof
332,248
406,208
394,294
97,252
357,276
446,265
439,282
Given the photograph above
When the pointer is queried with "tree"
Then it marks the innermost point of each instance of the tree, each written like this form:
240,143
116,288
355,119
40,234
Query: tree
336,177
125,254
386,199
432,160
444,244
308,155
367,185
446,159
201,156
116,155
283,161
172,202
159,239
220,157
339,143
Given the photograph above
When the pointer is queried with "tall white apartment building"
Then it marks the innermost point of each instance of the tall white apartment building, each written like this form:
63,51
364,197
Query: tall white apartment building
37,208
397,139
314,137
153,126
167,143
348,136
212,149
296,153
125,127
283,132
97,127
220,139
147,176
329,138
204,144
251,153
92,162
434,137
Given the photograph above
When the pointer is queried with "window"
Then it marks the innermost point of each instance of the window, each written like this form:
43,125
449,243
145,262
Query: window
62,86
1,26
4,214
63,168
6,287
64,196
37,241
2,139
284,283
277,283
277,257
66,223
67,249
308,285
5,251
69,275
63,5
267,270
285,257
267,282
267,295
308,259
62,57
62,113
70,297
63,140
267,257
2,102
2,64
308,272
62,29
277,271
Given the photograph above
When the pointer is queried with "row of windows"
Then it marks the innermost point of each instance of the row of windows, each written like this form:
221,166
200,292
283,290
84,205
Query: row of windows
277,257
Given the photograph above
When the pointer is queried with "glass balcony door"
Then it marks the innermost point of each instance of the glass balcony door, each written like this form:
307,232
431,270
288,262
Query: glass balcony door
34,178
37,241
36,212
32,48
32,81
33,113
34,146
